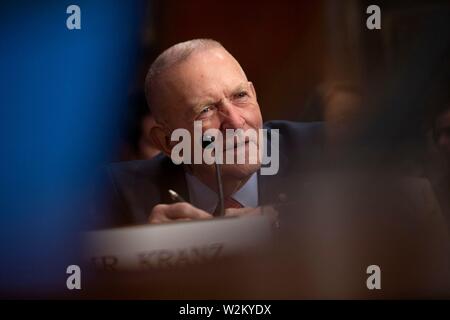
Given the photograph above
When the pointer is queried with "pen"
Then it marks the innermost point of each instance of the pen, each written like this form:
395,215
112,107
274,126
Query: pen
175,196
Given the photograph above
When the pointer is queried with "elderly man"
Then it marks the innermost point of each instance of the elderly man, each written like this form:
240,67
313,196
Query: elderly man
194,81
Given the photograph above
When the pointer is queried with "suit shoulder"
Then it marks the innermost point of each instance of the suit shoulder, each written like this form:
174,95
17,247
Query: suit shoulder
147,168
293,126
291,130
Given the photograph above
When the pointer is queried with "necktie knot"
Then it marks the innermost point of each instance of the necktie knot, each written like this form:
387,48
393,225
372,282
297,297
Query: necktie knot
228,203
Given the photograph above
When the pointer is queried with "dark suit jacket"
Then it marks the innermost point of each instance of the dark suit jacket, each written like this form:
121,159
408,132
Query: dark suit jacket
129,190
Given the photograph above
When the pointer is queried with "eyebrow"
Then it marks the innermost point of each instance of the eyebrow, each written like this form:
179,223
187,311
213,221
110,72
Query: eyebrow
205,102
197,107
241,86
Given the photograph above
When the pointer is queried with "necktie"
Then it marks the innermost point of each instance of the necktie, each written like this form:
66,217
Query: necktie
228,203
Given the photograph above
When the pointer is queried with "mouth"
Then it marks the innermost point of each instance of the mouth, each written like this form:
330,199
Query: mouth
240,145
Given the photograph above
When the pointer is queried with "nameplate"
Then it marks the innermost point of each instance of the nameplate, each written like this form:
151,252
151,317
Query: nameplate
175,244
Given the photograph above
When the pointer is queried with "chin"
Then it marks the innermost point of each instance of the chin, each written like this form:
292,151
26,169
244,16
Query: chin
239,171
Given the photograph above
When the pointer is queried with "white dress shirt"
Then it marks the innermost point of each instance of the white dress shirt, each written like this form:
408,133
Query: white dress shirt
202,197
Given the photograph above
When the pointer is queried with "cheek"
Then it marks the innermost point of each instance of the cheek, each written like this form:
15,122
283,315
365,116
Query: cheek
252,116
210,123
178,123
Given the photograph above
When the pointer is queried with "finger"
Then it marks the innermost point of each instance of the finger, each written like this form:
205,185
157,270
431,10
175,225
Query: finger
158,214
272,214
184,210
233,212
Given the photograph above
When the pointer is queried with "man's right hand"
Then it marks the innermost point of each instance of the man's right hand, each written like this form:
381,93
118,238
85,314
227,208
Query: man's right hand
182,211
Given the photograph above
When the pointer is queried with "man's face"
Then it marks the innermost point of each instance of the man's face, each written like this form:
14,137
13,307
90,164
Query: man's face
211,87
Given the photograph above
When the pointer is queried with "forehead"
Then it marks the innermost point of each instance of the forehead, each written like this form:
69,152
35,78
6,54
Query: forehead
204,74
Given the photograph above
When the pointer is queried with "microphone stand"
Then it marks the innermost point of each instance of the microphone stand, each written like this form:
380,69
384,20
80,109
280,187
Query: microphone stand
207,141
220,190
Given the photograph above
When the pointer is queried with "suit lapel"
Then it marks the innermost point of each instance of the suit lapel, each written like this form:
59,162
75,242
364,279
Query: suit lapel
278,182
172,177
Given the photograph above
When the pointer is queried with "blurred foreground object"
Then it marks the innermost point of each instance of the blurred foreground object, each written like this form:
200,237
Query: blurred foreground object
176,244
342,224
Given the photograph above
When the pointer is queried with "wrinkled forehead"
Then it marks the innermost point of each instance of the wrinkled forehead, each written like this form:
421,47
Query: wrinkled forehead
204,74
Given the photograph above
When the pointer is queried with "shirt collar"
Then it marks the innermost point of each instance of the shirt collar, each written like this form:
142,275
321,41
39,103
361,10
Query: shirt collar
206,199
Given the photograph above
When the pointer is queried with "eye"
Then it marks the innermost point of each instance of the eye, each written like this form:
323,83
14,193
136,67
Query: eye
241,94
206,111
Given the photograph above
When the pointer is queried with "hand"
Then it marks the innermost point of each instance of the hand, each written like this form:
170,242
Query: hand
181,211
265,210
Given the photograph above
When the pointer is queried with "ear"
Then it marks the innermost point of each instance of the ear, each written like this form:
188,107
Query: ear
252,88
160,139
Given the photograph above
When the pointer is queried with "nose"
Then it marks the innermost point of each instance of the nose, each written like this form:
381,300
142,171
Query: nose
231,117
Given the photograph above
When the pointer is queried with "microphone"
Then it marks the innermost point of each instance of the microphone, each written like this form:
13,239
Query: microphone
206,142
